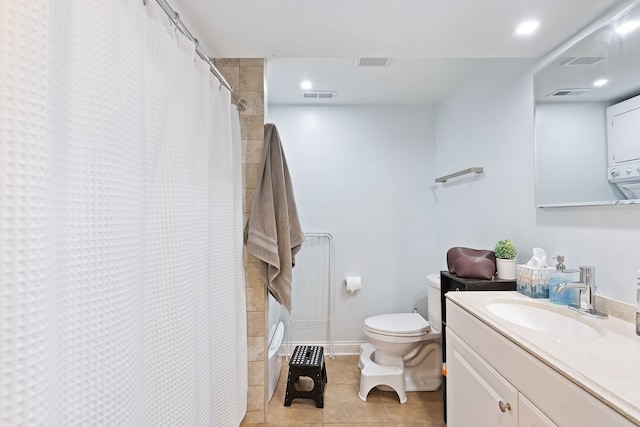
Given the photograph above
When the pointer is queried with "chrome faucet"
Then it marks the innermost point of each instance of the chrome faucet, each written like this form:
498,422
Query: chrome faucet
587,290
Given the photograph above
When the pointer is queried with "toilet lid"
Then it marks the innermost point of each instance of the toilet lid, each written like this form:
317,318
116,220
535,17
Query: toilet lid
398,324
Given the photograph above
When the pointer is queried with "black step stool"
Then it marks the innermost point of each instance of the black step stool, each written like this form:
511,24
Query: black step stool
307,361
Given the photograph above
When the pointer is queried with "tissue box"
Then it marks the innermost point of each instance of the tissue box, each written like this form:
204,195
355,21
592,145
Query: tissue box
533,281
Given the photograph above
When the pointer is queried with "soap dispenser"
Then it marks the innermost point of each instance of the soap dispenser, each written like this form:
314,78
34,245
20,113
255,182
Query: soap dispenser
562,275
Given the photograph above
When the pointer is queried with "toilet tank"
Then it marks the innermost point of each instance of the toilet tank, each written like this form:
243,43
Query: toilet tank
433,301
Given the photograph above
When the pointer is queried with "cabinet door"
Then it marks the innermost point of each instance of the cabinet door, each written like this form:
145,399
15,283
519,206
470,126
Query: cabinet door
531,416
477,395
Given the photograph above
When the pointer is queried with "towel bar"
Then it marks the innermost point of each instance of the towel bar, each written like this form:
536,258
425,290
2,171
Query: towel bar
460,173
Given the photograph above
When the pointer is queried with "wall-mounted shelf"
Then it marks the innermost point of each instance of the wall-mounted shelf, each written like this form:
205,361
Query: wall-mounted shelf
460,173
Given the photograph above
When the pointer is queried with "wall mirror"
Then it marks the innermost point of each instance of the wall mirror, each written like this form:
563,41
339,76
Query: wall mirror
583,158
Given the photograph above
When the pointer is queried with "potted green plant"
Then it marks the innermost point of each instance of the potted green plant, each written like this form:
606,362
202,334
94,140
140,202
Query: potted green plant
506,259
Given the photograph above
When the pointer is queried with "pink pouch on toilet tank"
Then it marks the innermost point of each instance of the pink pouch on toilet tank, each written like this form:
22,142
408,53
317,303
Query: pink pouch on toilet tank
471,263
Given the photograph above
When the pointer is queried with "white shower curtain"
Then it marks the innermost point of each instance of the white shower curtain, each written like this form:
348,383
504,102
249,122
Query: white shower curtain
121,279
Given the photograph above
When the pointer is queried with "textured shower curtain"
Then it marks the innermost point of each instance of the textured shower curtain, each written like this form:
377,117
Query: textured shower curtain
121,280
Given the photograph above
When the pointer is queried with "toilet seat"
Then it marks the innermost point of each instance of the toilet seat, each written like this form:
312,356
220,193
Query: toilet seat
398,325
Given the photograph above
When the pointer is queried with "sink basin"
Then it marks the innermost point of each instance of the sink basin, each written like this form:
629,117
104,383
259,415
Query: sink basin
543,320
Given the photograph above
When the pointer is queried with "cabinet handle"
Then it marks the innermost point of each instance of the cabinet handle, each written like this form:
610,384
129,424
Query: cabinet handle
504,407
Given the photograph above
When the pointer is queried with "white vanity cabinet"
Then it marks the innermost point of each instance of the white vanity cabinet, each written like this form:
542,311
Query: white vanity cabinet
494,382
480,396
477,395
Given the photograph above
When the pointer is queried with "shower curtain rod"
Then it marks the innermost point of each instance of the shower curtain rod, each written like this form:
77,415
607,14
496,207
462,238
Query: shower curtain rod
174,16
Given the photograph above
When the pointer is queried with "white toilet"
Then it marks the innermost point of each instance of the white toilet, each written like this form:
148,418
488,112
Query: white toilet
404,350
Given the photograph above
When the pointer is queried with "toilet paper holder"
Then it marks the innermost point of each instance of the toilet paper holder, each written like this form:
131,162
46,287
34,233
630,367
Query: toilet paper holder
353,284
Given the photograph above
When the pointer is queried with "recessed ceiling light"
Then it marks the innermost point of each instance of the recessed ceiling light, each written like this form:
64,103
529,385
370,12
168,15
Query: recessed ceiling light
527,28
600,82
306,85
627,27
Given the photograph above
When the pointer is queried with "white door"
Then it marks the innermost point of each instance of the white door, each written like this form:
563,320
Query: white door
477,395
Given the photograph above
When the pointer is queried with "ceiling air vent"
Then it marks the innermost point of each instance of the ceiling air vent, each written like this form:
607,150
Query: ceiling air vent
318,94
372,62
581,60
569,92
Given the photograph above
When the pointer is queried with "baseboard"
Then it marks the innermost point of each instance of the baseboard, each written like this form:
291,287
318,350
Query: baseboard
342,348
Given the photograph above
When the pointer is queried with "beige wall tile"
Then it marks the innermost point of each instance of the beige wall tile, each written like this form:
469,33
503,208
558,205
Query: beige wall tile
251,62
255,298
248,258
226,62
256,373
232,75
247,199
253,153
251,78
252,127
255,398
252,274
255,349
243,143
255,102
255,324
252,173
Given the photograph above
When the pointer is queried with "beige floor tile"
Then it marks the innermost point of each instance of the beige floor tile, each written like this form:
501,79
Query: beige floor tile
301,411
284,371
342,405
343,370
421,407
289,425
356,424
424,424
252,418
421,412
415,396
390,397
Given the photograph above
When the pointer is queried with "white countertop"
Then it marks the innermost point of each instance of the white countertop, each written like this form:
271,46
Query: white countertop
608,367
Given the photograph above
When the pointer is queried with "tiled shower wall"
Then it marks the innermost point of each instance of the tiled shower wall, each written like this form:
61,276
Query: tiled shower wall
246,76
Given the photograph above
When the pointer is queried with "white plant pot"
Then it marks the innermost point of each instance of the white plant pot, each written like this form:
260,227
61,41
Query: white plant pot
506,269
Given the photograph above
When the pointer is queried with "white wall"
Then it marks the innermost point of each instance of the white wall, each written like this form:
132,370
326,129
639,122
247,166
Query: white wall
363,174
489,123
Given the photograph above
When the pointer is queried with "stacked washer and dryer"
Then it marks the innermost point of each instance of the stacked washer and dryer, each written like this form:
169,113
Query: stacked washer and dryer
623,127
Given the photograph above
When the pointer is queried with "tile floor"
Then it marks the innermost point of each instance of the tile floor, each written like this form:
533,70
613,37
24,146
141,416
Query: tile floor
343,407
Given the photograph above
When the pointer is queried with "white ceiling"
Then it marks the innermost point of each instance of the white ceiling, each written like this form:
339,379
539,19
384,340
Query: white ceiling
616,57
432,43
404,81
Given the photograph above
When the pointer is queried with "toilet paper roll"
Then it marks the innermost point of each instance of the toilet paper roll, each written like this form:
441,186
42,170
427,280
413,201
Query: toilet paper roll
354,284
